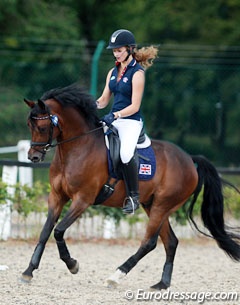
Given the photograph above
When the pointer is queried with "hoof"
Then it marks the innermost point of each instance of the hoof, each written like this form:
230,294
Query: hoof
115,279
110,283
75,269
159,286
26,279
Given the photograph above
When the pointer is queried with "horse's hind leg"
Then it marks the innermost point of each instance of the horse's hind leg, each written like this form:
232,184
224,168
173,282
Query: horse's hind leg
148,244
154,229
170,242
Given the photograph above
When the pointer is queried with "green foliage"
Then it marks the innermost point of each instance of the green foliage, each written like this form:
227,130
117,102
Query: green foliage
232,199
192,90
231,206
107,212
190,21
38,19
13,118
3,192
155,21
28,200
33,200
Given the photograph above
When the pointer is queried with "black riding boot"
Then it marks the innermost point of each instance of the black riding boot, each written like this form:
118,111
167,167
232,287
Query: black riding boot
130,175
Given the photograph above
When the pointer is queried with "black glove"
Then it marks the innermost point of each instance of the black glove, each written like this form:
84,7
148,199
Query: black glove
108,118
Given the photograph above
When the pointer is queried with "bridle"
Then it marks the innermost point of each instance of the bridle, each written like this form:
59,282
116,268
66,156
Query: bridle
46,146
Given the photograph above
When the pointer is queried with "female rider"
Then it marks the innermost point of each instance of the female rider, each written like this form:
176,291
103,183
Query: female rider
126,82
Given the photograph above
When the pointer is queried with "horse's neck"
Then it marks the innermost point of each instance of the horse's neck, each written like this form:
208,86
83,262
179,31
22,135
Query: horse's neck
81,152
76,135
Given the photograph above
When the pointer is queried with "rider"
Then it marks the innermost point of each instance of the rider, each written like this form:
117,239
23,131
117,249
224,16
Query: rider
126,81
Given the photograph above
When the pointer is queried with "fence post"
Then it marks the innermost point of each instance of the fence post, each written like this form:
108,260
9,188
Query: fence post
9,176
95,60
25,173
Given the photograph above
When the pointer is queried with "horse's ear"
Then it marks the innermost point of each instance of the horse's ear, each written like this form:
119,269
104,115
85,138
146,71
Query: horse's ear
30,104
41,105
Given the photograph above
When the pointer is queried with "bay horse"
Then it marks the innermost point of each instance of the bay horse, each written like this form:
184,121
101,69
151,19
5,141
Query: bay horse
67,119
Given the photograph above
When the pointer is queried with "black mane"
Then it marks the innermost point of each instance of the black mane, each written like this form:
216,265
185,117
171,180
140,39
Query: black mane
75,96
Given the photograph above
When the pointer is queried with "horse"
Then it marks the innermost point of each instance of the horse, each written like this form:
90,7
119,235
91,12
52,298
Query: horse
66,119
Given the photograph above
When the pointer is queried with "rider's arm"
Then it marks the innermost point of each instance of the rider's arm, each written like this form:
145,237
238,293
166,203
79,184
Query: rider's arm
104,99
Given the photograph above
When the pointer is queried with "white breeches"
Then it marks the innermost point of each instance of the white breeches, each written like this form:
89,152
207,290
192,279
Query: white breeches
129,131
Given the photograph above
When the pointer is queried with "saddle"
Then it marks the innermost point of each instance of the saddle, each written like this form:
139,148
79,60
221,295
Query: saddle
143,153
113,145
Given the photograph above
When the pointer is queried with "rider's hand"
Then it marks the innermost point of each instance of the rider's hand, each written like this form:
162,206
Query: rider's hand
108,118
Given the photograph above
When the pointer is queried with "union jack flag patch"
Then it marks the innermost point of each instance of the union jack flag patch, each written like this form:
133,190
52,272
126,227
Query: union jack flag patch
145,169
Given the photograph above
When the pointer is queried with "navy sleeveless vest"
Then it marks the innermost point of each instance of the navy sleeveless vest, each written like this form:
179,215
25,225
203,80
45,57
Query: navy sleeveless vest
122,89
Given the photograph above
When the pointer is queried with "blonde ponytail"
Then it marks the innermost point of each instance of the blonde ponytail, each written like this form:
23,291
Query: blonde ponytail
145,56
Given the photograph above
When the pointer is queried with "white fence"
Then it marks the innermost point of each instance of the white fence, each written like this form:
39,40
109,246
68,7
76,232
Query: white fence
10,175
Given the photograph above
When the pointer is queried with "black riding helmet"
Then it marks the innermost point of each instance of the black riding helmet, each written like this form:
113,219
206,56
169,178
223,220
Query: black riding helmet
121,38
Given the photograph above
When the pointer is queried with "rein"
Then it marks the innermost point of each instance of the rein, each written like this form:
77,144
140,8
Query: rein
54,123
76,137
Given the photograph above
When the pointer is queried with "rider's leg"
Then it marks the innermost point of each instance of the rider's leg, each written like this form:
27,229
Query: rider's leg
129,131
130,175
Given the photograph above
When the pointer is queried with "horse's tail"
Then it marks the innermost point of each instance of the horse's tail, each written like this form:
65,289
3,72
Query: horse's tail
212,209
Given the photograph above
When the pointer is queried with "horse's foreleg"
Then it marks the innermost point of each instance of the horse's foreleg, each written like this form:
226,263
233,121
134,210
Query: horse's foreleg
37,254
74,212
170,242
64,254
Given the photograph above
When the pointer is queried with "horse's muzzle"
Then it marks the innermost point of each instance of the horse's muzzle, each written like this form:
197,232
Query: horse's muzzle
36,156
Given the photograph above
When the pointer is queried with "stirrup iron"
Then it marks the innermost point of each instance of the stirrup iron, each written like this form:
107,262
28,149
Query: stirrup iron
135,206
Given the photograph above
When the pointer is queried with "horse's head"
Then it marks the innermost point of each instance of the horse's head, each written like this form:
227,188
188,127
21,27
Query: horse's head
42,126
74,108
